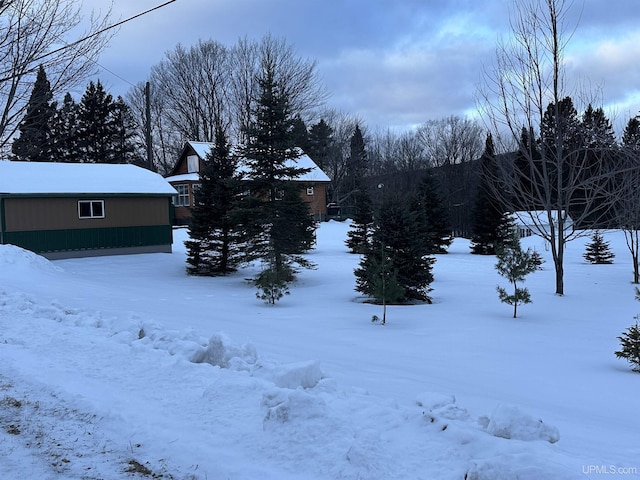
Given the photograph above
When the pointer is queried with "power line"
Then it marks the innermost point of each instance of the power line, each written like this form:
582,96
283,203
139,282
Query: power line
69,45
102,31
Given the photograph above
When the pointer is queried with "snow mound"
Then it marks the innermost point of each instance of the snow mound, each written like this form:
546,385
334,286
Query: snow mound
511,422
440,405
222,353
283,406
21,260
301,374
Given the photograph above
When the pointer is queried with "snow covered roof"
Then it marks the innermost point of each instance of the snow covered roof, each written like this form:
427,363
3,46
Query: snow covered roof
539,217
202,149
184,177
23,178
315,174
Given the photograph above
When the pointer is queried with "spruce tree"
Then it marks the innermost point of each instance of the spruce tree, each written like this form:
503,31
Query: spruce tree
597,251
630,346
398,254
124,135
321,144
432,221
356,167
282,225
96,126
359,234
514,264
630,343
489,217
35,142
65,132
216,240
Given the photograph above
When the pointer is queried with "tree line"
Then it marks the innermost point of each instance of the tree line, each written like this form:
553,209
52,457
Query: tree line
97,129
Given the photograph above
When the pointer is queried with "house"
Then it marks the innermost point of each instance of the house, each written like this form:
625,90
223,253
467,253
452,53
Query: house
185,177
64,210
536,222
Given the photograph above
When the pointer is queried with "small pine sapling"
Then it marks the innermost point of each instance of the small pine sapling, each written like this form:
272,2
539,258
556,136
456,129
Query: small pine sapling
537,259
514,264
597,251
630,343
273,284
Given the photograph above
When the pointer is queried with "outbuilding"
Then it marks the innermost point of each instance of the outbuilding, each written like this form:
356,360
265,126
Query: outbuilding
63,210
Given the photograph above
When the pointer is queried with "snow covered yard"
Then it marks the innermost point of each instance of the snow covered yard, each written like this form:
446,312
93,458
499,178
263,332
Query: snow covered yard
119,367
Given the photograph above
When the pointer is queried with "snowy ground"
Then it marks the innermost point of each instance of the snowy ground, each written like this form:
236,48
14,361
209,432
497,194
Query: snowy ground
121,367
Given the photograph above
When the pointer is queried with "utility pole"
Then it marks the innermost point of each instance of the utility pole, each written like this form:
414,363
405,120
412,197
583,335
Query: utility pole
147,103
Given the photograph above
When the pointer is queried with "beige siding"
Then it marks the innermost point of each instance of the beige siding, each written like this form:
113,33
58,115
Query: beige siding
30,214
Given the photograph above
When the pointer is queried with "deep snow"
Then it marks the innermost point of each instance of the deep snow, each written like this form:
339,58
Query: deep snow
116,365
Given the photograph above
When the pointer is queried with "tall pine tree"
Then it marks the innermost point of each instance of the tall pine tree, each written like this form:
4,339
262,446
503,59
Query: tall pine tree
281,220
489,217
96,126
65,132
35,143
432,220
216,240
397,258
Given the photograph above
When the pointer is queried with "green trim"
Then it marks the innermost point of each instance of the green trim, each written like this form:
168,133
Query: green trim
90,238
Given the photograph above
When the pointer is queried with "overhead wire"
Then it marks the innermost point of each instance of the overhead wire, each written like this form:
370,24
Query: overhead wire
87,37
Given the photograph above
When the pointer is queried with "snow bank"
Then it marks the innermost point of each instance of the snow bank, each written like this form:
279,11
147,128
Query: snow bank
25,261
511,422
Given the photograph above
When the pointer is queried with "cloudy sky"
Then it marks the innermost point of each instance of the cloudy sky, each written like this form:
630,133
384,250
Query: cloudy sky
391,63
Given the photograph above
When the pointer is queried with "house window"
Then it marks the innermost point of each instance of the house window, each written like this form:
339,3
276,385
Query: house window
182,199
193,164
310,191
91,208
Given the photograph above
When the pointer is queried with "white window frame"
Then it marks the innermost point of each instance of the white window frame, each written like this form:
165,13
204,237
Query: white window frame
193,164
182,199
96,209
310,191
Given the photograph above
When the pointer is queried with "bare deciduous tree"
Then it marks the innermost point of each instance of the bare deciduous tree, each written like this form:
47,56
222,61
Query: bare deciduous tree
31,34
451,140
195,88
192,84
526,97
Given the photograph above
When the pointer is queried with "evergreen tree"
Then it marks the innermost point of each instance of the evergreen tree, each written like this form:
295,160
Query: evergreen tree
514,264
432,221
489,217
35,141
65,132
216,240
597,251
124,138
96,125
630,346
321,143
359,234
277,215
356,167
631,134
398,253
630,342
299,134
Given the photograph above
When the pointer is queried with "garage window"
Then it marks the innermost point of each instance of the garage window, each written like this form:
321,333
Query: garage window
91,208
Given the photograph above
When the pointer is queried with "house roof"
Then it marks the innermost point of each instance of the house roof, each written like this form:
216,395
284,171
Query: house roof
202,149
37,178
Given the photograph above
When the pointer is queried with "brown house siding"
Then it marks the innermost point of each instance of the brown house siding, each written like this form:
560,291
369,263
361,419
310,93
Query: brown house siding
31,214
